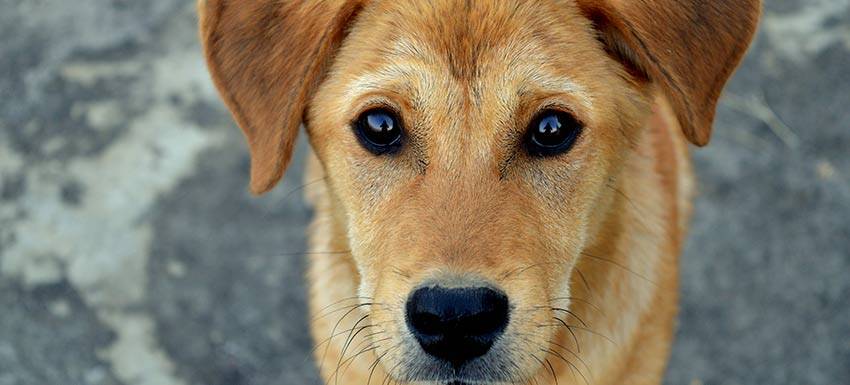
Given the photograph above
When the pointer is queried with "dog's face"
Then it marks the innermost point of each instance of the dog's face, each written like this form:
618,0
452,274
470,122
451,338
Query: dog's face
469,160
469,149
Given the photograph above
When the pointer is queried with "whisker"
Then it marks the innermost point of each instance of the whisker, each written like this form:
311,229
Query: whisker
584,280
570,313
350,360
587,367
568,362
639,210
536,381
618,265
570,329
559,309
594,333
326,311
367,338
552,369
532,376
349,308
522,269
377,361
573,367
351,335
389,372
301,187
337,372
328,339
374,346
333,331
584,301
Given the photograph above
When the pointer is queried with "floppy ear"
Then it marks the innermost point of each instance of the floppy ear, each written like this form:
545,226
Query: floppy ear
266,57
689,48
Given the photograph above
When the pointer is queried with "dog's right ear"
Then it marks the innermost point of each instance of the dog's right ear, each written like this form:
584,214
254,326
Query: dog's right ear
266,58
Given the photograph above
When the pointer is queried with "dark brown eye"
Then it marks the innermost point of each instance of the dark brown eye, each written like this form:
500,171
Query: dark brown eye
379,131
552,132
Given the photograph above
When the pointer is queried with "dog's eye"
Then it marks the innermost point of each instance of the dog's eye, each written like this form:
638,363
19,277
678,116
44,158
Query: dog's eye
552,132
379,131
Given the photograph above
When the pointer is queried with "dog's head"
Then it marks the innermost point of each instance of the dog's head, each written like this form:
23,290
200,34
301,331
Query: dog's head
467,145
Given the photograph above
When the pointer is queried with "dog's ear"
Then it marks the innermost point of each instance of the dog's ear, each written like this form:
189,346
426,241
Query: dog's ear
688,48
266,57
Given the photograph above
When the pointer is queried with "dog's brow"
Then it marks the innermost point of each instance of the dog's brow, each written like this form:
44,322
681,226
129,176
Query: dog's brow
566,86
390,78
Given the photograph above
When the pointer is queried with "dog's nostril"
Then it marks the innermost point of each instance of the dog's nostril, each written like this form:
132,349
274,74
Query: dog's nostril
459,324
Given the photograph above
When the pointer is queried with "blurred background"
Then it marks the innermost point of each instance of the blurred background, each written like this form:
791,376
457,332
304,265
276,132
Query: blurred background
131,252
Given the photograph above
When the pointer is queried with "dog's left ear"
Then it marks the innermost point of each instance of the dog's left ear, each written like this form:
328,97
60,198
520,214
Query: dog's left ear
266,58
689,48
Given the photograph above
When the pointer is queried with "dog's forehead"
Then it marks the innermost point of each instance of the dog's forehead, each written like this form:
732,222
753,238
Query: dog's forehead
464,35
447,48
468,36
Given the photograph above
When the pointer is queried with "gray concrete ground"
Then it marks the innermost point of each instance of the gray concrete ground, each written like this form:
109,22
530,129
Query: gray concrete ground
131,253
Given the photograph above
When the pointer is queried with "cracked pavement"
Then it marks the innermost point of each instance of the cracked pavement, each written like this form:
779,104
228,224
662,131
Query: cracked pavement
132,254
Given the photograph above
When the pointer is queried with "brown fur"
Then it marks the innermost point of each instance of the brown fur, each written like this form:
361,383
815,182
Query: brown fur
594,232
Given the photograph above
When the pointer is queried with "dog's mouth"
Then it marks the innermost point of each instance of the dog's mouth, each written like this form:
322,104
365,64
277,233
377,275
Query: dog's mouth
481,372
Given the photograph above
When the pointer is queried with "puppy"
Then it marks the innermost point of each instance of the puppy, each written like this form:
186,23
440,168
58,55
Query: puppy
501,188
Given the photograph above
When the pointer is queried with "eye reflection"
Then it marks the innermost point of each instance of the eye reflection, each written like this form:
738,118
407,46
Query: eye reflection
379,131
553,132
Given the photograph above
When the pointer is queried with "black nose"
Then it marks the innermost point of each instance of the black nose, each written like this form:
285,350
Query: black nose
457,325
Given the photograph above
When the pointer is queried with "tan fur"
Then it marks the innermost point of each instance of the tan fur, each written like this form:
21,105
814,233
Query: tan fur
596,231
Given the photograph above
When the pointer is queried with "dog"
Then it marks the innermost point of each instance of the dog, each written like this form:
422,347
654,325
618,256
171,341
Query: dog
501,188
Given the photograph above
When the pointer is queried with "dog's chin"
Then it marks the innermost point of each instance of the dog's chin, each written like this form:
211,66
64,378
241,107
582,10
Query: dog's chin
469,375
